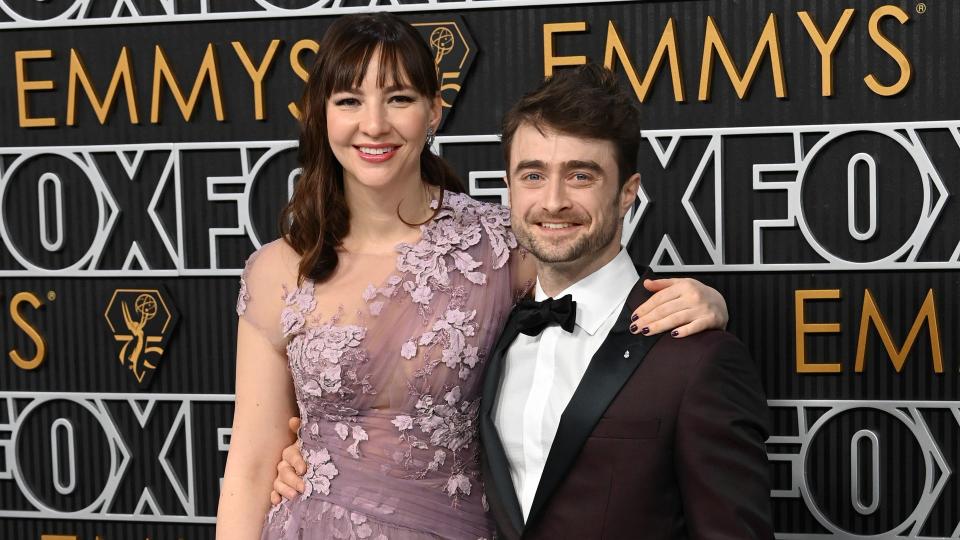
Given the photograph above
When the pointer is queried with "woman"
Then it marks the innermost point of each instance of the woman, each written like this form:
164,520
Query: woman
384,294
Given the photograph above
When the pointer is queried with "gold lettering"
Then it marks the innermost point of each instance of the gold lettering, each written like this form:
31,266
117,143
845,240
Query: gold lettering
207,71
24,86
122,71
30,331
769,41
871,314
257,73
549,60
667,47
803,328
448,86
298,47
881,40
826,47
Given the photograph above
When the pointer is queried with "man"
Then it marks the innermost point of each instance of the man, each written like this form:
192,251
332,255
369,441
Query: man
591,429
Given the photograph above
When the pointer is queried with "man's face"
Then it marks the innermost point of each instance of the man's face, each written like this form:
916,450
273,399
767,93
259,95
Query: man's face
566,203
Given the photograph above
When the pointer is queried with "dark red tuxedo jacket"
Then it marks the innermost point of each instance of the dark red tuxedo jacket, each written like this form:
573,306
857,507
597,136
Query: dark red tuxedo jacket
665,442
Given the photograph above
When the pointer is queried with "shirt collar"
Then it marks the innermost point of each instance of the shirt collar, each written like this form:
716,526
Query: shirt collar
600,293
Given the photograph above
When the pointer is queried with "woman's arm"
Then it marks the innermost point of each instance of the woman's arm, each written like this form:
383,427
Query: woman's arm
264,401
681,306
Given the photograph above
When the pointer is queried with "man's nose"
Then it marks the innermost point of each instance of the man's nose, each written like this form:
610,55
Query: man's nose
555,197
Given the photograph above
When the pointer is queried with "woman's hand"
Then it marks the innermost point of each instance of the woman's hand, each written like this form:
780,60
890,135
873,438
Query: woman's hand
682,306
288,483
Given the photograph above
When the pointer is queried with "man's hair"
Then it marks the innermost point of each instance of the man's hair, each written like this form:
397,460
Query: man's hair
587,101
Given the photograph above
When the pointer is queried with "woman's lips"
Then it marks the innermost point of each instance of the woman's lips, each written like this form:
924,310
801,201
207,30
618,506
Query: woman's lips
376,154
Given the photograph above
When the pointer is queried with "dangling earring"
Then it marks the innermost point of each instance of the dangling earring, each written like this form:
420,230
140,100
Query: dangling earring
431,135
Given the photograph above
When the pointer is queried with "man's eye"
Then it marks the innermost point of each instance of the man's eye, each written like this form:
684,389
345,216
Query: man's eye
534,177
581,177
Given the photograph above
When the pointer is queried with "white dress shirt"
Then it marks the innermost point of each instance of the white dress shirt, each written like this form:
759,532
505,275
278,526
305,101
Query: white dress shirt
541,373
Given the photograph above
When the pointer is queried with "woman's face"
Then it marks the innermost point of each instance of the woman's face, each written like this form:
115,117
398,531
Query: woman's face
377,134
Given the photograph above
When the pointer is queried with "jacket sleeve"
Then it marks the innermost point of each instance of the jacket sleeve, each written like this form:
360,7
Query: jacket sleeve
720,457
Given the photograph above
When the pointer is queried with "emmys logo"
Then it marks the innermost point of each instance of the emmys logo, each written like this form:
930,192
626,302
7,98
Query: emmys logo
453,52
142,321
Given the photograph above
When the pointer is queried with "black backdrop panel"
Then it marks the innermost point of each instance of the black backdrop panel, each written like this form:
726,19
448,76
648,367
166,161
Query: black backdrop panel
823,214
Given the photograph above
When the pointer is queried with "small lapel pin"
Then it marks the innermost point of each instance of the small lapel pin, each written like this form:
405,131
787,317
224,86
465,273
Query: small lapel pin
626,354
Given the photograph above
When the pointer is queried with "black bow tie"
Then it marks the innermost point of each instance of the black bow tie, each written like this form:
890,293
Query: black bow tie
533,316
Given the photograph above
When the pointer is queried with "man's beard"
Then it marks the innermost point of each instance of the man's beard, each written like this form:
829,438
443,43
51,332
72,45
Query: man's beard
570,251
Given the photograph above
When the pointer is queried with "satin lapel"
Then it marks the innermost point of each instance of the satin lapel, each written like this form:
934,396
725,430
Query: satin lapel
498,482
609,369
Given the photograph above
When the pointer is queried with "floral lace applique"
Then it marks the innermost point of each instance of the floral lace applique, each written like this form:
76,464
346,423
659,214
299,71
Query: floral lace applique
326,361
424,269
356,432
449,425
325,358
280,511
496,222
320,471
445,244
450,332
297,305
243,296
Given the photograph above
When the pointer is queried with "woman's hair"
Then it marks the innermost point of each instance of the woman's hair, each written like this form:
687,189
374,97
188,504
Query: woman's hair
317,218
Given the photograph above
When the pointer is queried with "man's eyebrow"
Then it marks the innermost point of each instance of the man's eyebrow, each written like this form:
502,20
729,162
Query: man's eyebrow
529,164
583,164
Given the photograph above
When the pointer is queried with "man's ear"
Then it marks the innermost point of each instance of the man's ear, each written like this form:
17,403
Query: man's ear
628,193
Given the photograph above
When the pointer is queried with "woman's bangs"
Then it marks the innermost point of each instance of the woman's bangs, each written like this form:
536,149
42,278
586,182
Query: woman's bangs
396,67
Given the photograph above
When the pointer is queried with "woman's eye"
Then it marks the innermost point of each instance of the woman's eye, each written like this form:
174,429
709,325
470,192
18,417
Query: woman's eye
402,99
347,102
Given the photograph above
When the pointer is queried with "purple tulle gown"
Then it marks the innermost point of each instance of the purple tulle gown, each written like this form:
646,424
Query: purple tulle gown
386,359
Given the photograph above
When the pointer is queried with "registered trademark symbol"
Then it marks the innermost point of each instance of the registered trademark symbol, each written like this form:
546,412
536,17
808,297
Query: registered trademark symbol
921,8
51,296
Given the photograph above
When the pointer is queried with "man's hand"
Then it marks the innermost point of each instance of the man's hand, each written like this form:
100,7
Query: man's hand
288,483
683,306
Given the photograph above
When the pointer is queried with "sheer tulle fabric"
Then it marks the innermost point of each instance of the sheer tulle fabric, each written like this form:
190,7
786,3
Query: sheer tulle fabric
386,359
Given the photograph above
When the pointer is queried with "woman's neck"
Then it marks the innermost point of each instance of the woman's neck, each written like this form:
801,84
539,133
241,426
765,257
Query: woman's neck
375,226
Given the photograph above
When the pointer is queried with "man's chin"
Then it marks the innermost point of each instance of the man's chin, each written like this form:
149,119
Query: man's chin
554,254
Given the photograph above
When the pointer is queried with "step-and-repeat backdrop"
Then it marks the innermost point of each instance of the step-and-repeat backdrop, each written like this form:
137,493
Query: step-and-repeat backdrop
798,155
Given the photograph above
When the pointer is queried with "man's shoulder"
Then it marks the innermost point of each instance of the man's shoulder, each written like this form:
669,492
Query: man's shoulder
693,356
705,343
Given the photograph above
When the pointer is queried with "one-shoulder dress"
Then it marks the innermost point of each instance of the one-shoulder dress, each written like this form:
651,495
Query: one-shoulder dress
387,377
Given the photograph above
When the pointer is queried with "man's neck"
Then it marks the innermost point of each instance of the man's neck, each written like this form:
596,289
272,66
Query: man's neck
554,278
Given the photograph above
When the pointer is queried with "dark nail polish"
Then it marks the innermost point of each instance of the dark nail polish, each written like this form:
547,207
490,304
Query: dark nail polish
675,333
646,330
633,328
634,317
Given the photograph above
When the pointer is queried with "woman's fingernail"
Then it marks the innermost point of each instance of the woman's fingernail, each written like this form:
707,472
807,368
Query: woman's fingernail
633,328
675,333
634,317
646,330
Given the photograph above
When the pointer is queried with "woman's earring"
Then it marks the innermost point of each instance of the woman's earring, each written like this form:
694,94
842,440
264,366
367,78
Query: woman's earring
431,135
